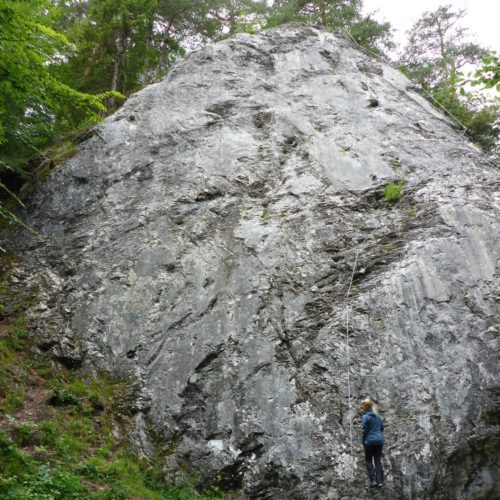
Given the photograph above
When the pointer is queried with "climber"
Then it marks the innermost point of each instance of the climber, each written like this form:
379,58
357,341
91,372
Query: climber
373,441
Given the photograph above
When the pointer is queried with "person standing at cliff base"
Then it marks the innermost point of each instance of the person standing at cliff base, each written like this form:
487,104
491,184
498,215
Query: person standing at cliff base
373,441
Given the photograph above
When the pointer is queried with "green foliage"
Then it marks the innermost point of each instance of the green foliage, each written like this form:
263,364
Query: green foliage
437,49
393,191
337,15
12,459
17,333
47,483
479,116
373,35
125,45
64,397
14,400
111,43
26,434
36,105
334,14
487,76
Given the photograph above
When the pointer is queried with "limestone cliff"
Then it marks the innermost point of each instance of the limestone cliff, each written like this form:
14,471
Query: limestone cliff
203,242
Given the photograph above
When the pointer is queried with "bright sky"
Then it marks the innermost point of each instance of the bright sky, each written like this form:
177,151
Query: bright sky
482,17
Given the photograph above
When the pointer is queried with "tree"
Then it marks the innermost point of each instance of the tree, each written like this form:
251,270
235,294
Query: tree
336,15
115,43
233,16
437,48
487,76
436,52
35,106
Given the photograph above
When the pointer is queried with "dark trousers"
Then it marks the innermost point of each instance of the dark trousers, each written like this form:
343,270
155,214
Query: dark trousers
373,455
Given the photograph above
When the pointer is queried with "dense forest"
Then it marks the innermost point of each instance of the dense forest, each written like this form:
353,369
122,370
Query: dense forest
66,64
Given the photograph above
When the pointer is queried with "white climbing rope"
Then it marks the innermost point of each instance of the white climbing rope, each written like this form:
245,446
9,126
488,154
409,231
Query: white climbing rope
349,360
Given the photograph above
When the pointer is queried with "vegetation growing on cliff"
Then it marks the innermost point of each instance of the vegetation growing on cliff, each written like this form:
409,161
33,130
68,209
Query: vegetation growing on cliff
393,191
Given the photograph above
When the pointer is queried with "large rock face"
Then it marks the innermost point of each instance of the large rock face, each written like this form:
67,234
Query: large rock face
203,243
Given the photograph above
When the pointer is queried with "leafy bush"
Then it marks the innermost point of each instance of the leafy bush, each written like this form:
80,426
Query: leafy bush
393,191
64,397
49,432
54,484
96,469
12,459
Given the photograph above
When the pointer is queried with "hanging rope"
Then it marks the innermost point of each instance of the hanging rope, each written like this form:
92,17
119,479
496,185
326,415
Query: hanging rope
349,359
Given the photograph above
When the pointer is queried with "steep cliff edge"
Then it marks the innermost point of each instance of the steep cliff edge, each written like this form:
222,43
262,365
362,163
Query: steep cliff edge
203,242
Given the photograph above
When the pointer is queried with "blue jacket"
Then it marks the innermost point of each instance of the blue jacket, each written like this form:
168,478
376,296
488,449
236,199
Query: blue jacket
373,429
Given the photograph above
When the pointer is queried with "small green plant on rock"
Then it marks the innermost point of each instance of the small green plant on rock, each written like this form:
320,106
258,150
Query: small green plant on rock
406,416
394,191
266,216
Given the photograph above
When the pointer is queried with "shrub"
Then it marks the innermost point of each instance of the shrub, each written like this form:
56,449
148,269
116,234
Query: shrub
63,397
96,469
49,432
12,461
393,191
54,484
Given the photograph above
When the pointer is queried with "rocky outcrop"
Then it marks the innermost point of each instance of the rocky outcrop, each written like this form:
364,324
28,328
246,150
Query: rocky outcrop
204,241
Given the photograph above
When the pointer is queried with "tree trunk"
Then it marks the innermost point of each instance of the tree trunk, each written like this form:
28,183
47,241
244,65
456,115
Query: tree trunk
116,68
88,69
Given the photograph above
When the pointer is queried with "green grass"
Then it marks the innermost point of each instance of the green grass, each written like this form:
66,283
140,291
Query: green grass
394,191
17,333
13,400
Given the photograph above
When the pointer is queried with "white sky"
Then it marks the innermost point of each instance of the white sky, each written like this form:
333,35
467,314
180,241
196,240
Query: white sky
482,17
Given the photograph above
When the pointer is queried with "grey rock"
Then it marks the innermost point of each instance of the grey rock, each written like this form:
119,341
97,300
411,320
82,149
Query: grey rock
205,248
